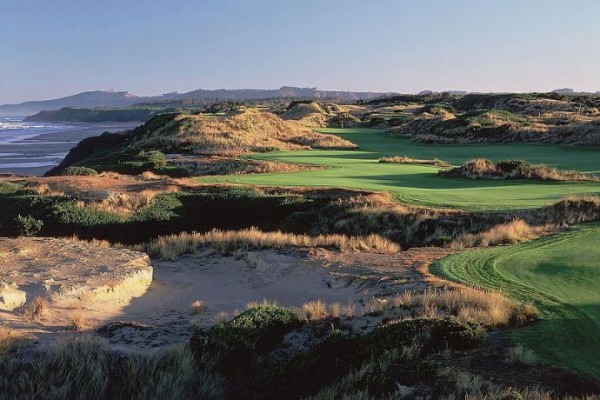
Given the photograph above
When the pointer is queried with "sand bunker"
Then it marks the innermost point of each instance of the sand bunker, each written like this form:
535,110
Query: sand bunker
63,271
225,284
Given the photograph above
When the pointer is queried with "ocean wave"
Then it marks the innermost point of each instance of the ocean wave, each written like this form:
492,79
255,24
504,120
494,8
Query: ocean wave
27,165
15,129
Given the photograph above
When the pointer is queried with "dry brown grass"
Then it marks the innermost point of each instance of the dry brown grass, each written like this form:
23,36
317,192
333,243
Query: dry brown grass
126,203
488,308
335,310
202,165
221,317
313,310
410,160
198,307
516,231
238,132
10,339
37,310
514,169
170,247
262,303
78,321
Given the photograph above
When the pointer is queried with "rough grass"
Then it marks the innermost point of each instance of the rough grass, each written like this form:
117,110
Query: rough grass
238,132
10,339
202,165
82,367
488,308
521,355
410,160
513,169
170,247
513,232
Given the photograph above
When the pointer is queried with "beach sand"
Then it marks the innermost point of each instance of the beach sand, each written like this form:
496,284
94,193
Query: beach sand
24,157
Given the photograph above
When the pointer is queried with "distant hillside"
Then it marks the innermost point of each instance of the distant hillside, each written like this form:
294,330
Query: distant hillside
82,100
100,98
99,114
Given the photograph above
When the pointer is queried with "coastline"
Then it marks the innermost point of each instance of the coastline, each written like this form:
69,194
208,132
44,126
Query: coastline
24,157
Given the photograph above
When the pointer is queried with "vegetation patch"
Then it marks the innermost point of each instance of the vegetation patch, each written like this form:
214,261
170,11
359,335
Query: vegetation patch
79,171
170,247
513,169
410,160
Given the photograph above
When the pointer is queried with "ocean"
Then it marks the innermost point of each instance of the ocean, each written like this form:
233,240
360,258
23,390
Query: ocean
32,148
19,150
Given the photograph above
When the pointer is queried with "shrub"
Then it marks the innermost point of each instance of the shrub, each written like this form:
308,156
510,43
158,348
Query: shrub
83,171
27,225
236,343
392,354
513,169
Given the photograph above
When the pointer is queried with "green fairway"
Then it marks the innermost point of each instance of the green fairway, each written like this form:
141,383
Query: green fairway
561,275
417,184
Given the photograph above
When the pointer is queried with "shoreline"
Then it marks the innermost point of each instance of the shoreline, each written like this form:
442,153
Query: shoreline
25,157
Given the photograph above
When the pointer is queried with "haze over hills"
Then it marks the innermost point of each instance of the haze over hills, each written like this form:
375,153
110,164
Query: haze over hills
99,98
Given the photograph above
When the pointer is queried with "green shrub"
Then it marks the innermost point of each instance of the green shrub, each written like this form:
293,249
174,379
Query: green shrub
27,225
256,330
83,171
330,361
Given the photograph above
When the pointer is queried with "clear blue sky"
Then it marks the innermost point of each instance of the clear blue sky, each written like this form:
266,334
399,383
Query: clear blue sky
52,48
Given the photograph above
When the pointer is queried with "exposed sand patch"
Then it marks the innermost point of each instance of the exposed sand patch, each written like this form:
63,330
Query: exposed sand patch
108,291
226,284
44,281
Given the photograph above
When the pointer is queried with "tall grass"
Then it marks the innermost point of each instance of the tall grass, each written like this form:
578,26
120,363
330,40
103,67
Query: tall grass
83,367
409,160
170,247
10,339
510,233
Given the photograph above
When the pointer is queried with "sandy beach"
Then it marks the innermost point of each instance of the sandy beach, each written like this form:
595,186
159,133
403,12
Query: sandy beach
35,156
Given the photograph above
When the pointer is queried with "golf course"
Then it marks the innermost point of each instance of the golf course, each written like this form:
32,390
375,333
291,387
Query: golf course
420,184
560,274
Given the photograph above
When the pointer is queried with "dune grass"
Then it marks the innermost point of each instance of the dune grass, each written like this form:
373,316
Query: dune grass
419,184
560,274
172,246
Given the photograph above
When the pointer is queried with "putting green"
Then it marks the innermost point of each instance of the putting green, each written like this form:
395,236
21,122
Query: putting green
561,275
417,184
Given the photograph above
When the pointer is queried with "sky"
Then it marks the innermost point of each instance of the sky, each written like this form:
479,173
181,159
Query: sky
53,48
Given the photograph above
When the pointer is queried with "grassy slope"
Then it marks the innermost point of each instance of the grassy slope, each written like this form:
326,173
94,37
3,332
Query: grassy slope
561,275
419,184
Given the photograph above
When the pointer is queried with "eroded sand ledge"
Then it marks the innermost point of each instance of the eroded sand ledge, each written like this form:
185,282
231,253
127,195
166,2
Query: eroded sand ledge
67,271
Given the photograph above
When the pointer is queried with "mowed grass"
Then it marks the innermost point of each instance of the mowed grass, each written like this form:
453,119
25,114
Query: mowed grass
419,184
561,276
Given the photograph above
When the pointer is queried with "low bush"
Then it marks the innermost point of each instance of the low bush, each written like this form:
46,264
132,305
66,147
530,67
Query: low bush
83,171
27,225
234,345
397,351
